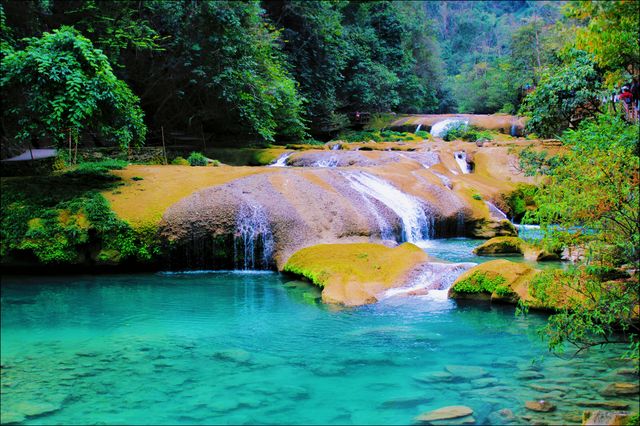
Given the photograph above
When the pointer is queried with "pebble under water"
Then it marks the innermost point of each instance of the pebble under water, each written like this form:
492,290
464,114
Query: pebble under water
236,348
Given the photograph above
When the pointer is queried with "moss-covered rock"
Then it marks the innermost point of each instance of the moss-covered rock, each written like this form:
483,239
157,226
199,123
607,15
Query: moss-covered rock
501,245
353,274
515,246
492,228
498,280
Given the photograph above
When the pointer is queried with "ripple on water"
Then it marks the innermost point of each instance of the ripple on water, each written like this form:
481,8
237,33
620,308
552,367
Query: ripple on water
245,348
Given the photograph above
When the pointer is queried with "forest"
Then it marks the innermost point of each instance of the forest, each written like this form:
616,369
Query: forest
232,72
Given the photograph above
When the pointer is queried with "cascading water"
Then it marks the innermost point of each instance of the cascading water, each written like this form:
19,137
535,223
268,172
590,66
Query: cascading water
336,147
496,212
282,160
433,281
331,162
440,128
418,128
416,226
445,180
514,130
253,240
461,159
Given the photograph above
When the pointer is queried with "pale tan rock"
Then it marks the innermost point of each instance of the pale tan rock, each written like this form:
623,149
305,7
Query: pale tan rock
445,413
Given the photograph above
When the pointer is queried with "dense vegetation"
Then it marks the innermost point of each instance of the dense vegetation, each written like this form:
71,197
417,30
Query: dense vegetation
228,71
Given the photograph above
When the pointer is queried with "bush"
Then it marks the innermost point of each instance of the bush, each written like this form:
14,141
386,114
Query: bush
197,159
466,133
179,161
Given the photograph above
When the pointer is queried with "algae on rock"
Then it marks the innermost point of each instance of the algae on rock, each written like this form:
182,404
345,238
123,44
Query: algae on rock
353,274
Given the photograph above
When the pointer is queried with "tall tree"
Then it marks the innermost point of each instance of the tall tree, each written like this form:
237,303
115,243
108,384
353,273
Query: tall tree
60,85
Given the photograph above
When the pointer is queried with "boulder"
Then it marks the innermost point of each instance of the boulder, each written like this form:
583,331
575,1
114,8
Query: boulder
540,406
605,418
487,228
499,280
445,413
615,389
514,246
354,274
501,245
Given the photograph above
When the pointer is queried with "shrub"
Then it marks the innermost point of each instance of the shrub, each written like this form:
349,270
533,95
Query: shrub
197,159
466,133
480,282
179,161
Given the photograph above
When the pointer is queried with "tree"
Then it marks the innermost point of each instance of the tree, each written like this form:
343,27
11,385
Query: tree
312,35
610,35
566,95
60,85
590,201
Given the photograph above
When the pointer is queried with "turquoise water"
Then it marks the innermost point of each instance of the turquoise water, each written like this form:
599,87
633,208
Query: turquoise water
461,250
236,348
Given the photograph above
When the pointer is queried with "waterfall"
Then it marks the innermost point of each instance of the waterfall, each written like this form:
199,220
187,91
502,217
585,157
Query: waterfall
461,159
415,224
445,180
496,212
282,160
440,128
514,130
433,280
418,128
253,240
331,162
336,147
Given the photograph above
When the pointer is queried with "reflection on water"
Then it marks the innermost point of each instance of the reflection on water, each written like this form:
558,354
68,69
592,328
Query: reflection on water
253,348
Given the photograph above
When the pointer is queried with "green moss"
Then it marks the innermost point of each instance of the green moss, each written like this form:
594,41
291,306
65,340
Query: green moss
60,218
179,161
380,136
481,282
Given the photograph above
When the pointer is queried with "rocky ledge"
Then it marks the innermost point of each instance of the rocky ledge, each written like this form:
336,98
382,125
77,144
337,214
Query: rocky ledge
354,274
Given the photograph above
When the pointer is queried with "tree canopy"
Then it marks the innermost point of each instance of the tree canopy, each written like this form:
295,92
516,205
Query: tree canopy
59,85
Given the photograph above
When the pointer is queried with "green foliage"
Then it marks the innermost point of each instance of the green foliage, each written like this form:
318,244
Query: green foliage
480,282
597,311
520,201
380,136
592,193
197,159
565,96
461,131
611,35
59,218
179,161
590,201
533,162
477,197
61,87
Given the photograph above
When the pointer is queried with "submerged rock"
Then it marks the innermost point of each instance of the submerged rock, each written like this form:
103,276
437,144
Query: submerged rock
445,413
406,401
466,372
239,356
540,406
605,418
622,388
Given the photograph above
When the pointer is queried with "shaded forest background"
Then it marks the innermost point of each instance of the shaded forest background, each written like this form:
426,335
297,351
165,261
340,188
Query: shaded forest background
285,70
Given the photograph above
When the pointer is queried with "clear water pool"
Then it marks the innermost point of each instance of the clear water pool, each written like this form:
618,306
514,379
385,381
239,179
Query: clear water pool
236,348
